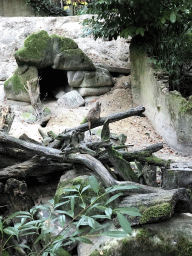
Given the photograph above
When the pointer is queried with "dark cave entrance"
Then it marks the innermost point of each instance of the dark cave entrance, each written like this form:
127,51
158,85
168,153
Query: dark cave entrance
51,82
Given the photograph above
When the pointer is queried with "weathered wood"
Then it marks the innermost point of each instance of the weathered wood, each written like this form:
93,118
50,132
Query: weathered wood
121,166
34,167
96,166
151,149
97,144
26,138
31,149
34,95
158,206
6,117
142,155
111,118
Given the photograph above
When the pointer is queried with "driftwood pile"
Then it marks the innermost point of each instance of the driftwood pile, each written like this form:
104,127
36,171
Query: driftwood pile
24,158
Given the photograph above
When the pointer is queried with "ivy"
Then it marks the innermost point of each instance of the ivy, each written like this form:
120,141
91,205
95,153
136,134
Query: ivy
46,8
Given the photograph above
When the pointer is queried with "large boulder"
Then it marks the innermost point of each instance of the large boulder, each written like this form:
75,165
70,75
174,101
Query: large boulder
93,91
90,79
15,86
41,50
71,100
171,237
14,31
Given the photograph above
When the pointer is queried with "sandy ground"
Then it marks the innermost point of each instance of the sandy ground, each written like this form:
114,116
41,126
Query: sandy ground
139,131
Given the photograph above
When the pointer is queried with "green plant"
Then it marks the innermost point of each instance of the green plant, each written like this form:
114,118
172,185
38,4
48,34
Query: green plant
161,27
46,8
85,225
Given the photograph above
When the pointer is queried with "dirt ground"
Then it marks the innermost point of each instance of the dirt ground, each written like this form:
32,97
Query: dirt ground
139,130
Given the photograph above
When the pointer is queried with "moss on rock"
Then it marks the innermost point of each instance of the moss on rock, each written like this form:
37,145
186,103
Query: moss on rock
15,86
65,43
34,46
155,211
186,106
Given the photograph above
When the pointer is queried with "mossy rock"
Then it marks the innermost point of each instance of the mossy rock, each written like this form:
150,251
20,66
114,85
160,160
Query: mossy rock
15,86
41,50
63,43
34,49
73,60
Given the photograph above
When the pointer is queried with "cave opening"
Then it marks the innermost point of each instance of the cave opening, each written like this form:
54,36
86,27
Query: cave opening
52,81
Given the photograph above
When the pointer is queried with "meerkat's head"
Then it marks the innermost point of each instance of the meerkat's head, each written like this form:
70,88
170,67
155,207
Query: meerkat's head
98,104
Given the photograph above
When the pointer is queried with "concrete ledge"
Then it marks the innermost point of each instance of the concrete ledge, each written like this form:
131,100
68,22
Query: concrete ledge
169,112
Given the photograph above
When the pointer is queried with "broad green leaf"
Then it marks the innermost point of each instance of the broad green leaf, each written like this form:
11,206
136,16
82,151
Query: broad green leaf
91,207
24,246
33,223
124,223
94,184
125,33
56,246
142,31
23,213
163,20
108,212
70,189
81,221
112,233
28,228
11,231
45,254
60,211
72,205
173,17
99,216
93,199
39,237
113,198
85,188
1,225
69,196
100,207
91,222
60,204
28,233
78,186
84,240
62,220
105,133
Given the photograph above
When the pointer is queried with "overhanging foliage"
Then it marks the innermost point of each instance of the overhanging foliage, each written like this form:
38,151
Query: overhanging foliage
47,8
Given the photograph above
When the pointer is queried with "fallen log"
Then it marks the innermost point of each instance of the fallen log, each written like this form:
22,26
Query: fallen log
34,167
31,149
97,167
158,206
111,118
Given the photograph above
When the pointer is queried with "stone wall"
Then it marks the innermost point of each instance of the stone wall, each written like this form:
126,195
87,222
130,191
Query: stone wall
170,113
16,8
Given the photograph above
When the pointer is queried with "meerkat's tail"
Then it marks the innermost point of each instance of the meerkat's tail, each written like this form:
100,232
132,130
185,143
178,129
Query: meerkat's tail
90,127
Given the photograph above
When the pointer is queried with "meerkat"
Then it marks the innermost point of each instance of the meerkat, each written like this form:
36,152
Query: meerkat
94,114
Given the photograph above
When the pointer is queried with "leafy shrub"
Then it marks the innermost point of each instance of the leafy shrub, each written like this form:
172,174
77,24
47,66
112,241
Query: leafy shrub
29,225
163,26
47,8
